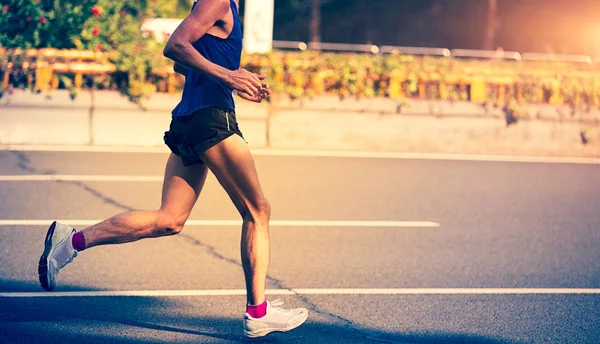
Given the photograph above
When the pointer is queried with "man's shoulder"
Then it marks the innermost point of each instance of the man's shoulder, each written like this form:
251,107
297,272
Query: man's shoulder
215,3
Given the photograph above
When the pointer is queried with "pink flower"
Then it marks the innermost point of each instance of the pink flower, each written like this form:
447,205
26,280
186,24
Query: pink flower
97,10
137,47
99,47
5,8
96,31
42,20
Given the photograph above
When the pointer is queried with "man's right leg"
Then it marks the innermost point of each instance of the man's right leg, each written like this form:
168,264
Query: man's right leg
233,166
181,188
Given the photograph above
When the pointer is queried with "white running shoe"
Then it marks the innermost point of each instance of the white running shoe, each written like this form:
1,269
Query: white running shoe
276,320
58,252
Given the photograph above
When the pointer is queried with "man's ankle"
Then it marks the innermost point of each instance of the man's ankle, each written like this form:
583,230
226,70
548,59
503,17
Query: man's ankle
78,241
257,311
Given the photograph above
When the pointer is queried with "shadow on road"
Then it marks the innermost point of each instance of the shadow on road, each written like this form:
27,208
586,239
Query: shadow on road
33,286
164,320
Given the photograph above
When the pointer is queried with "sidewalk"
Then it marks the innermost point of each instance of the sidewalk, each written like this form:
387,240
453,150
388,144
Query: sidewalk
321,124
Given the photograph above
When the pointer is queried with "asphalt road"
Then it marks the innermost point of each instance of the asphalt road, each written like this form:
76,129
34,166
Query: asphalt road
502,225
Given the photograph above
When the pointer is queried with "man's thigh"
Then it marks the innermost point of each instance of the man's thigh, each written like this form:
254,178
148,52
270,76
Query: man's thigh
182,186
233,166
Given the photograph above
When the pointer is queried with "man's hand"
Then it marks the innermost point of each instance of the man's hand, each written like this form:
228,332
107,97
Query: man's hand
246,83
263,94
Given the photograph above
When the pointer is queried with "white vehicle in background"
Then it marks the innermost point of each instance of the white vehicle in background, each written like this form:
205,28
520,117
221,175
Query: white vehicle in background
258,26
161,28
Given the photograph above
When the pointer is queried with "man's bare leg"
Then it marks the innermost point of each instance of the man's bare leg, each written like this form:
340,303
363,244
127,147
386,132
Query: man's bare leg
233,165
181,188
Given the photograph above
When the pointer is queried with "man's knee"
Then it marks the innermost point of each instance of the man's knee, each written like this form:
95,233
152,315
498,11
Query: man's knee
265,210
168,223
259,212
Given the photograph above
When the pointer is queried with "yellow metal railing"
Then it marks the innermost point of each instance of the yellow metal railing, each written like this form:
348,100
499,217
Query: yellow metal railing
46,64
473,80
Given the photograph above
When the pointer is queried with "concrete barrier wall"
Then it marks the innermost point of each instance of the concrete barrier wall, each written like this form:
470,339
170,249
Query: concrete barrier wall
302,129
27,118
123,128
44,126
319,124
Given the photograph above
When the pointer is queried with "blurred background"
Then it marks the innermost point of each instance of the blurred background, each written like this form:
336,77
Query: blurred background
529,61
545,26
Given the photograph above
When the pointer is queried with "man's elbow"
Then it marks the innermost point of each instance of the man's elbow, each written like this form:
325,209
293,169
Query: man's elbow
171,49
168,51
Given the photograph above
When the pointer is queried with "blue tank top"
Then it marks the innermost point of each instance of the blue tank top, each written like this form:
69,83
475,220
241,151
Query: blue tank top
201,91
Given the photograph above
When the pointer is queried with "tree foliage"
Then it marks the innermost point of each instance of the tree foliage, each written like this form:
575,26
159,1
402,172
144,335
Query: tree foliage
109,26
42,23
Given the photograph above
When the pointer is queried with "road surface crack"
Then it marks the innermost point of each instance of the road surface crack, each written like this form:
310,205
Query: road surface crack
24,163
366,334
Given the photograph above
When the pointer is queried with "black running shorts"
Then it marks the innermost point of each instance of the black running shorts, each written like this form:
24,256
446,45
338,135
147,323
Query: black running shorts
190,136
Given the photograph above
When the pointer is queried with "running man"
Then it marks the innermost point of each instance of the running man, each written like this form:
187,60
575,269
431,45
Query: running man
203,135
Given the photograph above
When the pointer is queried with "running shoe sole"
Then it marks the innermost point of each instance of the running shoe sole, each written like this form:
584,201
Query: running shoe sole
43,264
266,331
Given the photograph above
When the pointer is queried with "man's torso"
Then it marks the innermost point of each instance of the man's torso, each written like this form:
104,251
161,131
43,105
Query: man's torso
222,45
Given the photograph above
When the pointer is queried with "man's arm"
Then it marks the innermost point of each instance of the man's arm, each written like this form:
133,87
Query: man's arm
179,47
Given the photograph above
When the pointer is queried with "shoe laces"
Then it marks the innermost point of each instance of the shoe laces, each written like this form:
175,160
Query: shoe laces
73,256
275,306
69,260
64,253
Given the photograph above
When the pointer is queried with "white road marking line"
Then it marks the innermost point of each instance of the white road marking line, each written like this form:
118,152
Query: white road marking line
85,148
275,223
240,292
82,178
447,291
427,156
319,153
